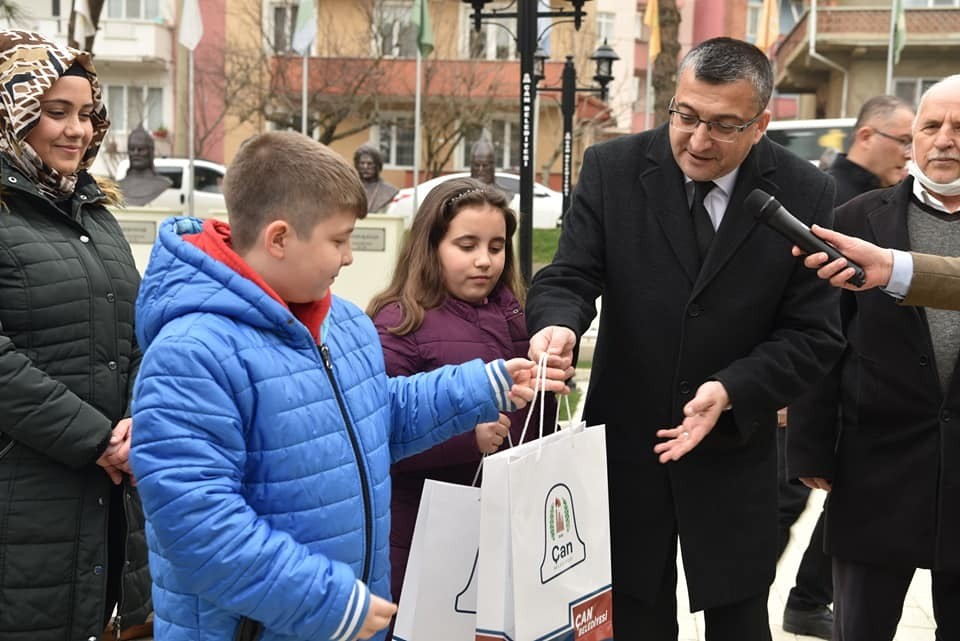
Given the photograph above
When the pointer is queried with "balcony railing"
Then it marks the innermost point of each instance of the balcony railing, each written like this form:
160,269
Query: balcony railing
848,27
119,41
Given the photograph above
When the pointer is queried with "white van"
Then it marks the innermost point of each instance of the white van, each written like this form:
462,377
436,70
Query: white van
810,138
207,185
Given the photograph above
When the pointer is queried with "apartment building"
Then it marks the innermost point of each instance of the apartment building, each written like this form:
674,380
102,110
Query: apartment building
836,54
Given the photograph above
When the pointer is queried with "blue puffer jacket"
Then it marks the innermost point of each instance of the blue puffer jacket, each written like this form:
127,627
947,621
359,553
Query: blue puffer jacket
262,460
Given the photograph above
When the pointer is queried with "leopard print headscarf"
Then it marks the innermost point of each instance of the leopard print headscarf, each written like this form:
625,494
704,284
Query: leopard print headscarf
29,65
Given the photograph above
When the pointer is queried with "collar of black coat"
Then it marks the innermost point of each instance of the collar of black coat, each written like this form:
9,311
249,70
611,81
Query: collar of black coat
663,182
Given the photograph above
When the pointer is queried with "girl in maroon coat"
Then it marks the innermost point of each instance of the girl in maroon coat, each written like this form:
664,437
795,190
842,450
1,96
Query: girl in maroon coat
455,295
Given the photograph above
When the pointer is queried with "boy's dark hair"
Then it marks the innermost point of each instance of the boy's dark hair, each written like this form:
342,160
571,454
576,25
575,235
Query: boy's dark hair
417,282
721,61
284,175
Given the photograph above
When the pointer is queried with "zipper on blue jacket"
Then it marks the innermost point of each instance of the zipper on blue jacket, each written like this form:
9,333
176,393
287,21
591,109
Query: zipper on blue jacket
361,468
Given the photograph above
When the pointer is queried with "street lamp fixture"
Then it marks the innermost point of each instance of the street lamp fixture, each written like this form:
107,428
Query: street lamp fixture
528,14
540,57
604,56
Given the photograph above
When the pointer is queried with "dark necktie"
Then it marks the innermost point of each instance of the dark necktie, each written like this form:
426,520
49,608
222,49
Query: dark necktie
702,225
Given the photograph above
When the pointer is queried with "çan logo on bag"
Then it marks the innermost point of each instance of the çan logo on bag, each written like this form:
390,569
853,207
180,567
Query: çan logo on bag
563,548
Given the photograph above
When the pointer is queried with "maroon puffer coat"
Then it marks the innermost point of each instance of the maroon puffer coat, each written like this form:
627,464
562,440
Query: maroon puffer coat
453,333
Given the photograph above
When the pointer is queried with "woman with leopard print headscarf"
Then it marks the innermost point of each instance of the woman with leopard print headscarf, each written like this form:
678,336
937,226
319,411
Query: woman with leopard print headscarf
71,529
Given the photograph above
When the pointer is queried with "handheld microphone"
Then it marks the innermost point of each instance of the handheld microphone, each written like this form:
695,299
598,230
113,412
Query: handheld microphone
770,212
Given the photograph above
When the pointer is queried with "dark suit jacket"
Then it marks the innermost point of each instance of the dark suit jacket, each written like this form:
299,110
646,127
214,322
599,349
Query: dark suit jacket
936,282
753,318
851,179
896,465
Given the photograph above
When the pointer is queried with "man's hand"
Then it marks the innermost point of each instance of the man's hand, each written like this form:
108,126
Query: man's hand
115,460
557,342
524,375
490,436
816,483
877,262
700,415
378,616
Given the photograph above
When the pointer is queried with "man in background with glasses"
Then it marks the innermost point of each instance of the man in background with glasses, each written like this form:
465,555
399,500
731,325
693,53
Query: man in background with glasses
879,149
707,329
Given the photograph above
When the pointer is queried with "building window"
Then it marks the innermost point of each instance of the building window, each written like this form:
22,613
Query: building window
910,89
396,33
284,24
396,141
605,24
753,19
133,9
505,136
129,106
495,39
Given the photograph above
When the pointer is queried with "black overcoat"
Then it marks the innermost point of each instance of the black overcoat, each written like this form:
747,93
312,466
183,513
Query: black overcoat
896,466
753,318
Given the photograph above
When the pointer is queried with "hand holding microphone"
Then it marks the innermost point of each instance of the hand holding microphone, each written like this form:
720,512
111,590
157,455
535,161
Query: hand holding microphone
769,211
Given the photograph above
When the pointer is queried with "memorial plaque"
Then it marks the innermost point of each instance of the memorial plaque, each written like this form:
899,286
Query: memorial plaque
138,231
369,239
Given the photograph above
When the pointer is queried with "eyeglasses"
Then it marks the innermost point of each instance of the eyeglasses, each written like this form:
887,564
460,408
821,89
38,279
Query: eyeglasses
719,131
906,143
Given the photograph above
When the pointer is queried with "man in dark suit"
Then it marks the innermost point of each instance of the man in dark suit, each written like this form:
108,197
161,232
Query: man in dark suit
892,461
708,326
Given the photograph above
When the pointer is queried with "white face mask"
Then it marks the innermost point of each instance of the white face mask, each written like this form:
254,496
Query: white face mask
951,188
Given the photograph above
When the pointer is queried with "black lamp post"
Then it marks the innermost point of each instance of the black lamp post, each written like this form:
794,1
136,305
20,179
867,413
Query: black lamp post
527,14
604,57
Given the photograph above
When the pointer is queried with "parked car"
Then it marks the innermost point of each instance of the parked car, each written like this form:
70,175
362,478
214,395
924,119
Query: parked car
207,185
810,138
547,203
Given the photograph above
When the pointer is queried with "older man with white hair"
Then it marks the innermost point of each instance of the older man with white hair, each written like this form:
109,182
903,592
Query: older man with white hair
881,432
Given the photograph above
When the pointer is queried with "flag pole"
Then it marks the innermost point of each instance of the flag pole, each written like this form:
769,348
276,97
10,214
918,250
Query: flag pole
891,45
417,141
304,35
303,97
190,130
421,18
191,32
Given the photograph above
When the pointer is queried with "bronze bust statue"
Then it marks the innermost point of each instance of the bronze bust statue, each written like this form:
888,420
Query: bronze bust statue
483,165
369,164
482,162
142,184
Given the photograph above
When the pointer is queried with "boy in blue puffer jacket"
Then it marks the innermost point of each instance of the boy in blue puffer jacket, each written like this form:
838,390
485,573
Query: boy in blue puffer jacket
265,424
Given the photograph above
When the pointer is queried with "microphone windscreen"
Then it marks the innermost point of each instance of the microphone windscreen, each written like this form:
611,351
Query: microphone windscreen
757,200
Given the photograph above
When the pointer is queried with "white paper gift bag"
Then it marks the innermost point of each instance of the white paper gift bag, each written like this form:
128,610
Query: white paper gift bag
439,599
544,561
560,539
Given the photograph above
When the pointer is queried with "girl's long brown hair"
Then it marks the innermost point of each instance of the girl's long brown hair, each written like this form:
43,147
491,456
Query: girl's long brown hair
417,283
